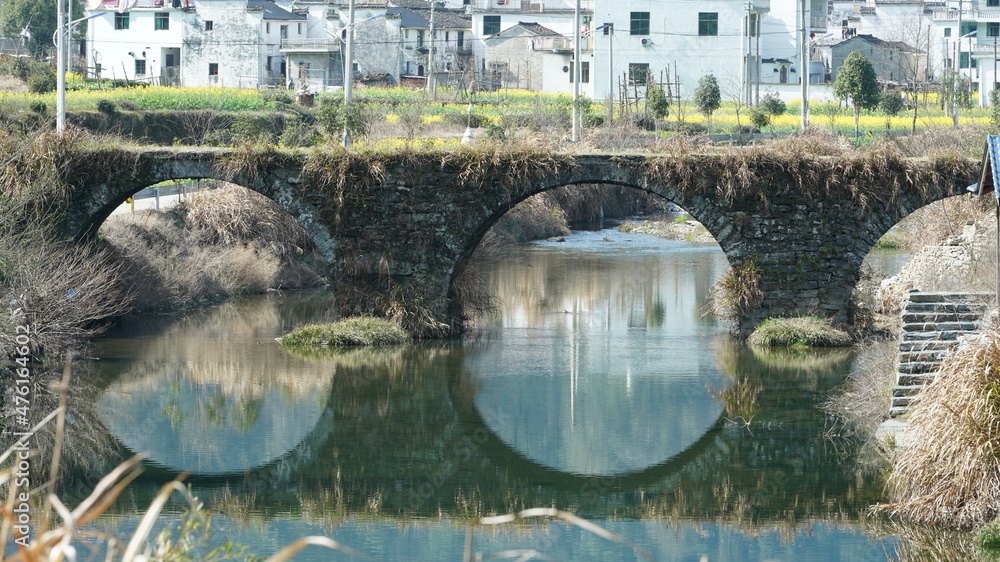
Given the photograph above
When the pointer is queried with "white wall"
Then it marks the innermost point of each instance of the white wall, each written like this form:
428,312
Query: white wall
673,39
111,47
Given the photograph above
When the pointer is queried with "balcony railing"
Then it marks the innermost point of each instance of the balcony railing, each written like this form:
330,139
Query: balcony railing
560,44
988,14
139,4
536,5
984,45
311,45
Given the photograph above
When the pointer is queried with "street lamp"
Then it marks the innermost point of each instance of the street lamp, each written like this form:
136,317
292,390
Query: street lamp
349,64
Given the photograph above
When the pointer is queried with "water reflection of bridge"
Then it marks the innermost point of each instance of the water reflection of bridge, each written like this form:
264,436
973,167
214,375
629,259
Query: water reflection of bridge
401,430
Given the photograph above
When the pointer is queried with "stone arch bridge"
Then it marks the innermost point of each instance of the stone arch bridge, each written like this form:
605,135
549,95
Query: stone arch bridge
397,228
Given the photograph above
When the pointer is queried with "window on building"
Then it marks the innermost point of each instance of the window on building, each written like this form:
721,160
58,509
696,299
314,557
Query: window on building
461,39
964,61
140,67
213,69
584,72
968,27
267,27
993,29
993,3
169,60
491,25
283,32
209,25
638,73
298,28
608,28
447,36
639,23
708,23
121,21
947,32
270,60
161,20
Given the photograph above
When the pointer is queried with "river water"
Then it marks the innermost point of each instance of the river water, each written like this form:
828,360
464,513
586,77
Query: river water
600,389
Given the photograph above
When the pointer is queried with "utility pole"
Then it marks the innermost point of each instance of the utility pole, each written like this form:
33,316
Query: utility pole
430,57
958,70
804,65
576,72
348,70
745,71
60,70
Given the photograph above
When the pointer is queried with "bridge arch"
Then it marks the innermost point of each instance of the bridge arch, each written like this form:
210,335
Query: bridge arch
91,205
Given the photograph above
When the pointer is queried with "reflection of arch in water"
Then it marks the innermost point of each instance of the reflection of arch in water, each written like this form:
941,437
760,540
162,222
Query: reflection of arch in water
219,404
518,464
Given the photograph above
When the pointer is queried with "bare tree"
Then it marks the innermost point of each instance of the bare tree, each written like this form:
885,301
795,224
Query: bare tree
915,67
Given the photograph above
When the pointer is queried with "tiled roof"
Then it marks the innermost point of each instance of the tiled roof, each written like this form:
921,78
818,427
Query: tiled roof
275,12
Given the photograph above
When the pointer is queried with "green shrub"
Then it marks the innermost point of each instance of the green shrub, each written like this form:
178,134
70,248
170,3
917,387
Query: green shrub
759,119
357,118
252,128
989,536
277,96
799,332
358,330
890,103
39,107
106,106
686,128
298,133
42,82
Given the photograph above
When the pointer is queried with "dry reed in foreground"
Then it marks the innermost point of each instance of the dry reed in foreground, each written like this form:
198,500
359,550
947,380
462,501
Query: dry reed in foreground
950,476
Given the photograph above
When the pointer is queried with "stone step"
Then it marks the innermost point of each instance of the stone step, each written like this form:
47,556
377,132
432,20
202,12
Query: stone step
945,308
949,335
926,345
903,401
916,317
906,391
918,367
942,327
931,355
904,380
950,297
896,411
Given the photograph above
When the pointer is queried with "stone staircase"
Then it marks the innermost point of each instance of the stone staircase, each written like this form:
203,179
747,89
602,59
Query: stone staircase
933,325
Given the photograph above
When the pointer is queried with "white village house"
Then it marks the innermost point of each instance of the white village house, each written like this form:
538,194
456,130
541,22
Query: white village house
234,43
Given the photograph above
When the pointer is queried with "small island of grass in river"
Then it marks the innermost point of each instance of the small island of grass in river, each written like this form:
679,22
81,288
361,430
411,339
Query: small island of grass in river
359,330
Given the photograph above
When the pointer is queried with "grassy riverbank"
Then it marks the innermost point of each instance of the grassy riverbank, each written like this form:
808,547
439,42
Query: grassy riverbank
232,241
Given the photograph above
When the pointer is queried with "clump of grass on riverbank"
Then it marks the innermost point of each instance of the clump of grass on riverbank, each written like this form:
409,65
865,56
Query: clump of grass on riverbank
950,475
799,332
359,330
737,292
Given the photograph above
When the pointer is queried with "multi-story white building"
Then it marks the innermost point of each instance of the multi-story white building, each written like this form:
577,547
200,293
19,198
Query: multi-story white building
688,40
232,43
974,45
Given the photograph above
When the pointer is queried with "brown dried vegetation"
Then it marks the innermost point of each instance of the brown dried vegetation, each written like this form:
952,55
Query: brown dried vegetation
950,475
